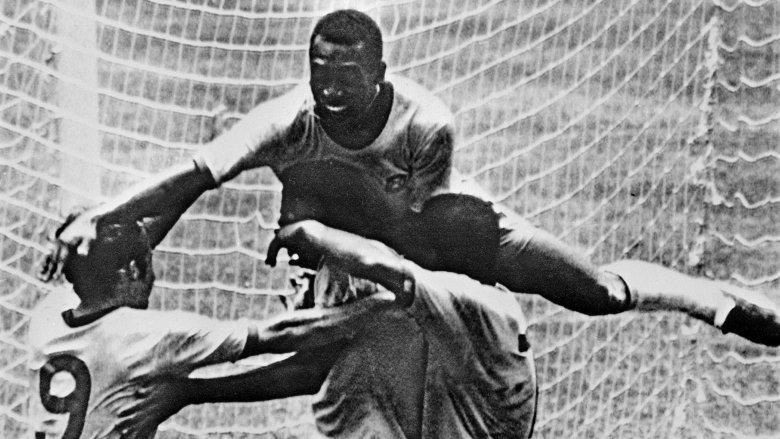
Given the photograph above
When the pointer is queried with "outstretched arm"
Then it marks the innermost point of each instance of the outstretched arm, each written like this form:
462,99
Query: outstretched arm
358,256
313,328
300,374
166,196
730,308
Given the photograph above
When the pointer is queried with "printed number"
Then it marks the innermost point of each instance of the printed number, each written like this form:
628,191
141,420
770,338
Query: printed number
75,404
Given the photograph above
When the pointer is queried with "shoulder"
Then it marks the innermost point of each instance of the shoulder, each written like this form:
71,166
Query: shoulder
427,108
145,321
466,298
46,318
297,100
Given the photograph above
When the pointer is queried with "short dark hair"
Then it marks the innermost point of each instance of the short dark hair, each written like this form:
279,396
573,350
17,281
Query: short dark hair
463,231
350,27
336,193
115,248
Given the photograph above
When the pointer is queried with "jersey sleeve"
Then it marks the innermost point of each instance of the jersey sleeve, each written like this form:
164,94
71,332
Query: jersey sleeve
431,145
181,341
260,138
431,165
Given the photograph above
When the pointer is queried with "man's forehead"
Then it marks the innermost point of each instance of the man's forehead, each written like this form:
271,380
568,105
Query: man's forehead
328,52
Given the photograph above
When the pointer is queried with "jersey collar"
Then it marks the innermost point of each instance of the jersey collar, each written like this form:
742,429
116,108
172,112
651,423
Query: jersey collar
75,322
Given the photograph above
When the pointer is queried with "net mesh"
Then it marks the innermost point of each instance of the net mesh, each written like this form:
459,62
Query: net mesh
640,129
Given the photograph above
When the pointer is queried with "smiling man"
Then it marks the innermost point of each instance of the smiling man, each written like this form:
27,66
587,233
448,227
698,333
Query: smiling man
398,133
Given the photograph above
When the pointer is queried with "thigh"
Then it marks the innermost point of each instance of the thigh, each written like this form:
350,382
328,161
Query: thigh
533,261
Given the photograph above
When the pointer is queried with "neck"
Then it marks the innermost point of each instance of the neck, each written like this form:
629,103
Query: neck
87,308
95,297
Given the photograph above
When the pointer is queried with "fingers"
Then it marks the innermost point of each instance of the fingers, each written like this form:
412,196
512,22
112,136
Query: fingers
75,234
54,262
273,251
83,248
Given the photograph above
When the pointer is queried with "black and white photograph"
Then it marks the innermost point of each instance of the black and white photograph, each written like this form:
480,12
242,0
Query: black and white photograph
401,219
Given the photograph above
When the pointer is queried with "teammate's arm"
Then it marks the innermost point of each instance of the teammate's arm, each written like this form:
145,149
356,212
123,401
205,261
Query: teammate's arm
729,308
361,257
168,194
313,328
300,374
260,138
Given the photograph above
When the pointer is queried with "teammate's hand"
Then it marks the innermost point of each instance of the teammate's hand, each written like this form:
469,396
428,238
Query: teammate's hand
301,240
77,233
155,402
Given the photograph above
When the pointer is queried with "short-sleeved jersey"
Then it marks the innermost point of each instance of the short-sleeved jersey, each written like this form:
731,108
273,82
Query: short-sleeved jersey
412,155
453,363
115,356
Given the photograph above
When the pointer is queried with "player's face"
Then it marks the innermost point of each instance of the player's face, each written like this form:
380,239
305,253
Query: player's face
344,81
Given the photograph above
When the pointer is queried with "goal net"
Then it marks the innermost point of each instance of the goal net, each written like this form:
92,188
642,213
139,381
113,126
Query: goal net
643,129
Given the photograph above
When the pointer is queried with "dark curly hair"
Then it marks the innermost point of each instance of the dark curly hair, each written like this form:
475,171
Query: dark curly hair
350,27
117,246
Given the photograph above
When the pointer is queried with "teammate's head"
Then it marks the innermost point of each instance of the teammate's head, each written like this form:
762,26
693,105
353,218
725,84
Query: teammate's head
338,194
345,58
118,268
462,233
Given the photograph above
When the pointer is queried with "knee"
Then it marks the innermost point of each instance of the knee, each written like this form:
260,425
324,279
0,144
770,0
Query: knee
613,295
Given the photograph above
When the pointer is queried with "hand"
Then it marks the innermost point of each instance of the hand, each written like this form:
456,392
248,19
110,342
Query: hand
76,233
301,240
155,402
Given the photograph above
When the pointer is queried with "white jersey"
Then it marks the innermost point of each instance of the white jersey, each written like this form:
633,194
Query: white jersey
412,156
456,362
89,371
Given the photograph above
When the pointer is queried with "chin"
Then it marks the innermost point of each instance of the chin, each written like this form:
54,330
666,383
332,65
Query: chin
141,304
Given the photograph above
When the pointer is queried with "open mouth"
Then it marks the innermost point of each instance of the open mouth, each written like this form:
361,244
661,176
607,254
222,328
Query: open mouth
335,108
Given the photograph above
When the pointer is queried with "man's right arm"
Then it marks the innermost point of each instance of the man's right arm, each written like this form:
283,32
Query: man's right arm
300,374
164,198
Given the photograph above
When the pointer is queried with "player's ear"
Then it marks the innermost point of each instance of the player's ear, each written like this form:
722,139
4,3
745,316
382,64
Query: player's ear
133,270
381,70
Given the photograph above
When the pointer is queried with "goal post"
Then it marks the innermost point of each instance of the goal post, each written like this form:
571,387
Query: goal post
77,99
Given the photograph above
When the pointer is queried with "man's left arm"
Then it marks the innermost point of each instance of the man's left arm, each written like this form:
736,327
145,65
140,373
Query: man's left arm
313,328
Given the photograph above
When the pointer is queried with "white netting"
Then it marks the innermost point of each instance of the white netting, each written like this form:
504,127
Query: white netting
590,117
740,384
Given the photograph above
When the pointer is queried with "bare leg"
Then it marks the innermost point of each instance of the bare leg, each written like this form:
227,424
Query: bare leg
533,261
732,309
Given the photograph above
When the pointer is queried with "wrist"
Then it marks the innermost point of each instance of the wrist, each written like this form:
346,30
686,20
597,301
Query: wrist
405,289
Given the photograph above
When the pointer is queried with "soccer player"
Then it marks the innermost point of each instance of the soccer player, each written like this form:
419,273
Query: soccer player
401,137
449,360
97,352
326,191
